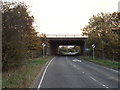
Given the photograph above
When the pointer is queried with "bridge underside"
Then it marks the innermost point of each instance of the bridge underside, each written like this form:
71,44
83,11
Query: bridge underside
55,42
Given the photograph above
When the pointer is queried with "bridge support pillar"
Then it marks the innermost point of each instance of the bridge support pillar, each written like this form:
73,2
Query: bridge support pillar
84,47
54,49
48,51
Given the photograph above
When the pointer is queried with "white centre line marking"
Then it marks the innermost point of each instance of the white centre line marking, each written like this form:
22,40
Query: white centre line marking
76,60
83,72
44,74
91,77
99,82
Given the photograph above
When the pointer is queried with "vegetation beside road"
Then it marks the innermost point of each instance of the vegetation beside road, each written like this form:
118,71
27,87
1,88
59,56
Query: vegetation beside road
20,44
24,76
108,63
20,40
104,32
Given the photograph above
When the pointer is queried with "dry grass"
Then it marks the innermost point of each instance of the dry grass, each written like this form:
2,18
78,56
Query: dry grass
107,63
24,76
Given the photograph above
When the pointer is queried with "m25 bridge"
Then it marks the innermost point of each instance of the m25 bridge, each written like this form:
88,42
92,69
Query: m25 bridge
55,40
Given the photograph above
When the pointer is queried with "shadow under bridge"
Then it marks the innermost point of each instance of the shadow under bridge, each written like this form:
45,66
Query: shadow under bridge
56,40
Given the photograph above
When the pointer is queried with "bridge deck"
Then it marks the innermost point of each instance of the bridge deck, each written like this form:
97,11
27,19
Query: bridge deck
65,36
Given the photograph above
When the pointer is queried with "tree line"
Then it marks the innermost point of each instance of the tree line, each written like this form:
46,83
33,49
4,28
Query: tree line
103,30
20,41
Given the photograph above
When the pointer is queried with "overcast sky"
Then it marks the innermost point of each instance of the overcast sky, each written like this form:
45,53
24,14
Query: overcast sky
66,16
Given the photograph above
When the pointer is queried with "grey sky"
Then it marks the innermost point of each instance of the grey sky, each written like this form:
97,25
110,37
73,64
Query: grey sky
67,16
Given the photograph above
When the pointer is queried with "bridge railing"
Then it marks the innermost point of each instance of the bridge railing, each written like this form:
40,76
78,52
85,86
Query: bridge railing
65,36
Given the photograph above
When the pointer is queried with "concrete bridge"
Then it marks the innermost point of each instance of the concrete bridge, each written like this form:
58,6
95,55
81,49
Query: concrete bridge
55,40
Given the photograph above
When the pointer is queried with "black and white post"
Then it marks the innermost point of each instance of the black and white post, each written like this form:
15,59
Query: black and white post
43,44
93,46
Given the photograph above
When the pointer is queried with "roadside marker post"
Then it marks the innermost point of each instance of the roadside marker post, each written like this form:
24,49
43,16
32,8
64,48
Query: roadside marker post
93,46
43,44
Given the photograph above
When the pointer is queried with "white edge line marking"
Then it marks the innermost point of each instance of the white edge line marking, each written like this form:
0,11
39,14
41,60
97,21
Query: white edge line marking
44,73
77,59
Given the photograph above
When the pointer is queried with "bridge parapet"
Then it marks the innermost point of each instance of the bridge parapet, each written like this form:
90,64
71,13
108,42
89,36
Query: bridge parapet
65,36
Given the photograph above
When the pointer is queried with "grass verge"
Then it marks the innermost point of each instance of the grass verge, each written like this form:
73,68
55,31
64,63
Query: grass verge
24,76
107,63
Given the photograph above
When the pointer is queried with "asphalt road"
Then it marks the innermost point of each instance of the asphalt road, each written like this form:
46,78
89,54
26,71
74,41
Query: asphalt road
70,72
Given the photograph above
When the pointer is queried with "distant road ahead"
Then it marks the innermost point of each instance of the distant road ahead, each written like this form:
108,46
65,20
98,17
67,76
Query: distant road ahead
69,72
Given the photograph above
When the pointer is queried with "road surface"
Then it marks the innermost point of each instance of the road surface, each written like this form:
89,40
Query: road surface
70,72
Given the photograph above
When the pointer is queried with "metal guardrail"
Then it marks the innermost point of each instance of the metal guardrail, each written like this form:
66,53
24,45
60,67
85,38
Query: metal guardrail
65,36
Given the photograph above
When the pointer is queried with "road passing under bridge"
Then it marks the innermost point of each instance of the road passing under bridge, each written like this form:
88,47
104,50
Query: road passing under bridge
71,72
70,39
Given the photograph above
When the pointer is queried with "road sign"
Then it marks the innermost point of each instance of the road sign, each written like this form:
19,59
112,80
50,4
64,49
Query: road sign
43,44
93,46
